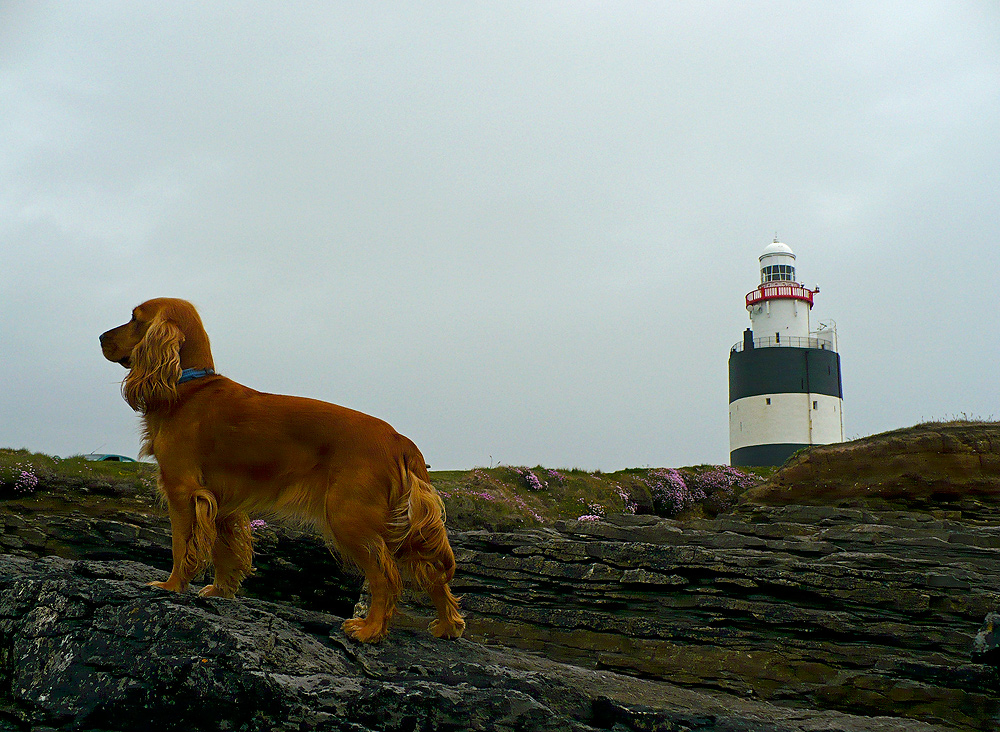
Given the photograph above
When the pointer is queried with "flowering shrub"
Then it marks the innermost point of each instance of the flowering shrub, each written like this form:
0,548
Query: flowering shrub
556,476
26,482
721,483
20,477
670,492
531,480
596,511
630,505
716,488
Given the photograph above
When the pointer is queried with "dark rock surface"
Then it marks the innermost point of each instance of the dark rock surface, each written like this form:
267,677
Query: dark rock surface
87,646
865,612
290,565
860,611
986,647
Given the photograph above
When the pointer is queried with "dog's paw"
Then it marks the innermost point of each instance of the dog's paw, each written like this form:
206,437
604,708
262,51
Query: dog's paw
215,591
447,630
359,630
168,585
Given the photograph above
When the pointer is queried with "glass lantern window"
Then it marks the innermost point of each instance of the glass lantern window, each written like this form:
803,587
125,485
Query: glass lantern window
777,272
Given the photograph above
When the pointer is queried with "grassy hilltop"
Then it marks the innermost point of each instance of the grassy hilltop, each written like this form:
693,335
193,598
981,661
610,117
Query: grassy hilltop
926,467
498,498
953,464
507,497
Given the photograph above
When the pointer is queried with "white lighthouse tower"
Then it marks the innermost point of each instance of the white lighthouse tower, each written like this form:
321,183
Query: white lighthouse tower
784,377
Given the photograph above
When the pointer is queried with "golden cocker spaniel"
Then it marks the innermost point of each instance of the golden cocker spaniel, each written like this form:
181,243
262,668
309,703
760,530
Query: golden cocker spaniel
226,452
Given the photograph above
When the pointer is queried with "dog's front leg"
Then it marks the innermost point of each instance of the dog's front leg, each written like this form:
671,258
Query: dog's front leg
193,534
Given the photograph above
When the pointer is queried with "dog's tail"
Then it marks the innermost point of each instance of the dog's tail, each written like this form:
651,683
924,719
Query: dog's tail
418,536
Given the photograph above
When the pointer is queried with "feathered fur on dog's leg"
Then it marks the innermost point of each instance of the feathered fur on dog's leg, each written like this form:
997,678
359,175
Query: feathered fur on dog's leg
385,585
427,554
232,555
193,534
449,623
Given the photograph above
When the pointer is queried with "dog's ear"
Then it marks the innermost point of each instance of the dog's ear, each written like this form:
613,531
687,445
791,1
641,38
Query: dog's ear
155,366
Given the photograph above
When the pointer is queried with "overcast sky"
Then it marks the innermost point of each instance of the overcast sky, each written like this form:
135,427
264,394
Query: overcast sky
520,232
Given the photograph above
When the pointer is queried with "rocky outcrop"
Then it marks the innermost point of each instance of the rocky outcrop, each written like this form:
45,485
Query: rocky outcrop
290,566
863,612
956,463
86,645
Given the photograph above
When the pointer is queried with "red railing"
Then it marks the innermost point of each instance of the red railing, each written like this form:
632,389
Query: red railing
780,291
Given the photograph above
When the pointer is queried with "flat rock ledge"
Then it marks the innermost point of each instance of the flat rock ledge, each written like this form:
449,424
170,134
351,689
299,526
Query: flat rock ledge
86,645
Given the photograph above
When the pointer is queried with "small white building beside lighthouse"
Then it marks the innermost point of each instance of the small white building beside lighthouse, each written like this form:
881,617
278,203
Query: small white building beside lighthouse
785,389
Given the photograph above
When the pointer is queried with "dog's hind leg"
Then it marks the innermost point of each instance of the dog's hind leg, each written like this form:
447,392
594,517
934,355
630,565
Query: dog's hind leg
449,623
232,555
426,553
433,577
192,533
385,586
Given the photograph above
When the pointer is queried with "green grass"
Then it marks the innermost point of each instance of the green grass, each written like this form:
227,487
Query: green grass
502,498
23,473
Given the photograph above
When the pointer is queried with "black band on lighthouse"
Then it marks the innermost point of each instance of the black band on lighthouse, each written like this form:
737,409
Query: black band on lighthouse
756,455
757,371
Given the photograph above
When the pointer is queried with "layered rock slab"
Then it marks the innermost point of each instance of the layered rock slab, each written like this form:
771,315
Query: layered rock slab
865,612
85,645
860,610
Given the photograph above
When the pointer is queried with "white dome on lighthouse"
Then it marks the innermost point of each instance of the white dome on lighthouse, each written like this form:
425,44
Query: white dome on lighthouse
776,247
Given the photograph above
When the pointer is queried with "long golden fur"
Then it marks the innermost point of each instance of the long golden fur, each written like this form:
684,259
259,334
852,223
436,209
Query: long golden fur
227,452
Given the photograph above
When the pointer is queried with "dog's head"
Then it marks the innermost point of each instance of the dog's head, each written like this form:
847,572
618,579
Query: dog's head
163,337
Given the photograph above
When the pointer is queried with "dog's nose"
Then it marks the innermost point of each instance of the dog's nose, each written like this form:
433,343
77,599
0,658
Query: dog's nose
102,337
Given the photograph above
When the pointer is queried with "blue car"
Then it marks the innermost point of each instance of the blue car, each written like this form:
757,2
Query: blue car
102,457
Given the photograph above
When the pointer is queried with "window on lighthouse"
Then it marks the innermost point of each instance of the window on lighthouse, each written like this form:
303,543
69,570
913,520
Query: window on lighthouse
777,272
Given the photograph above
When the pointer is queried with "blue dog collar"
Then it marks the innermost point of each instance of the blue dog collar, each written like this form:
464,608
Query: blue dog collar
191,374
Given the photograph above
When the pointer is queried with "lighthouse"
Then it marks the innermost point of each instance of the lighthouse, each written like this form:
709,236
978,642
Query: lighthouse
784,377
